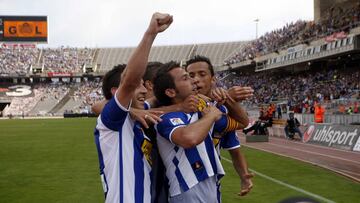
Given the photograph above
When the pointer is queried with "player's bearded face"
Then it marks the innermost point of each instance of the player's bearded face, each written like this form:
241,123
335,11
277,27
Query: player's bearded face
184,84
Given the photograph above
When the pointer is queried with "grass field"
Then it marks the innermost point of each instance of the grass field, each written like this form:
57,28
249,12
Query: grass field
55,160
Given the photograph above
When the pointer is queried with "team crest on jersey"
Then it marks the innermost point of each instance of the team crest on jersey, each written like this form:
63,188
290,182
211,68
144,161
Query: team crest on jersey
197,165
146,148
216,142
176,121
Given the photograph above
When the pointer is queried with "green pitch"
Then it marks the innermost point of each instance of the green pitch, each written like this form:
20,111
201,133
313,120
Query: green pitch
55,160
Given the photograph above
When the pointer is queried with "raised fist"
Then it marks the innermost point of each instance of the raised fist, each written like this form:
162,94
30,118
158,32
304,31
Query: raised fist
159,22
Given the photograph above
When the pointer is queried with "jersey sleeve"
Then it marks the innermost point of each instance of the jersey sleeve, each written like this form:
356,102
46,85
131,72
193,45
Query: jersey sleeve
170,122
230,141
147,105
223,109
114,114
221,124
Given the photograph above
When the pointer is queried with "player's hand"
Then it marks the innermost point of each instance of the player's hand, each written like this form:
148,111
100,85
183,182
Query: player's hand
190,104
159,23
146,117
246,184
212,111
220,95
239,93
205,98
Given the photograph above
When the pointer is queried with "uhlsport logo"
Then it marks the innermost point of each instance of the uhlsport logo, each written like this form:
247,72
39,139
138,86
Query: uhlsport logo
308,133
329,136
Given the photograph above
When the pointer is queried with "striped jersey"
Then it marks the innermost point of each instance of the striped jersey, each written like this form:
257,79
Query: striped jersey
187,167
124,153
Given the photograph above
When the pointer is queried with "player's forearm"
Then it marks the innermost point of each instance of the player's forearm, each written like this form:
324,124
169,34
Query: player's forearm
238,113
194,133
137,63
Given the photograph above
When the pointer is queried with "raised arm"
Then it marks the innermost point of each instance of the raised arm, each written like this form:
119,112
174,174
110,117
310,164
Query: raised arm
136,66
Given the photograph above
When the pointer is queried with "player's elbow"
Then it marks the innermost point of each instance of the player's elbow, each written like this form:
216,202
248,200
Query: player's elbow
190,143
188,140
95,110
244,123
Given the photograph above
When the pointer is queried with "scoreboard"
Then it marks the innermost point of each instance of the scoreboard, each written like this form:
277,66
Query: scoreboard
23,29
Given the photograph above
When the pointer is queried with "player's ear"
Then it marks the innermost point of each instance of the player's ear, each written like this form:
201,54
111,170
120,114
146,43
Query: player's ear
113,90
213,81
148,85
170,92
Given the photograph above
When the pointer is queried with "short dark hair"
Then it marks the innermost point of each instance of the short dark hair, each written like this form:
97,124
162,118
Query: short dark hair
198,58
151,69
112,79
163,80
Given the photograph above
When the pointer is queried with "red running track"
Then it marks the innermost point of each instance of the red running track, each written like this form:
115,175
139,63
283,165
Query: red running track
346,163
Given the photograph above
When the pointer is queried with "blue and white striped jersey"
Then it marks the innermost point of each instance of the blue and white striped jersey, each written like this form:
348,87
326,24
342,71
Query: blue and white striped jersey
124,155
187,167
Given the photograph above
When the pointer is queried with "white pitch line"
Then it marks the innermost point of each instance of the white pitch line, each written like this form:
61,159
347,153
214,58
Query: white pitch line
286,185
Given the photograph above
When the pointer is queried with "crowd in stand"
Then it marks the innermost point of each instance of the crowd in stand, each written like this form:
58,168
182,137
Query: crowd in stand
299,91
268,42
66,59
21,106
54,91
336,19
88,93
16,61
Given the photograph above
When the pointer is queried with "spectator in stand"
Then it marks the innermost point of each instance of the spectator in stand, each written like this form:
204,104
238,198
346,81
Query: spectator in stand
342,108
279,112
319,113
356,107
259,128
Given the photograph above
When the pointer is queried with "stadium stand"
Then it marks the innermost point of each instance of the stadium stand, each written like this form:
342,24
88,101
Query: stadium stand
66,59
337,19
87,94
333,80
17,61
299,91
20,106
217,51
109,57
52,95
